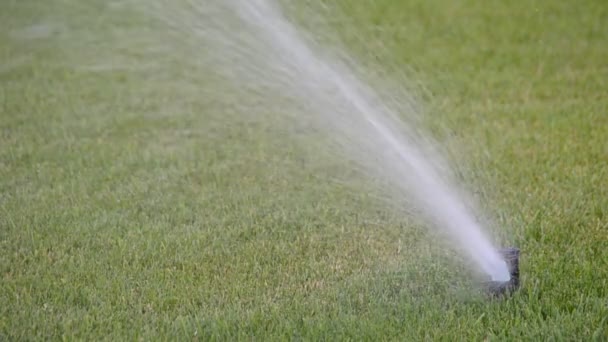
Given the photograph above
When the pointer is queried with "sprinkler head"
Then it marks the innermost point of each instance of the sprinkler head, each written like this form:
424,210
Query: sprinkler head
498,288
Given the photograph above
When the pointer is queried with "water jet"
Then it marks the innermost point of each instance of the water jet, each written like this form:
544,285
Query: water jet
271,62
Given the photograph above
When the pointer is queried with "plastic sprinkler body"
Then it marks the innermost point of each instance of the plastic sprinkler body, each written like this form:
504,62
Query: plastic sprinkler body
498,288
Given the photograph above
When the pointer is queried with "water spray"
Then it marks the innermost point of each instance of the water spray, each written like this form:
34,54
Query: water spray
252,44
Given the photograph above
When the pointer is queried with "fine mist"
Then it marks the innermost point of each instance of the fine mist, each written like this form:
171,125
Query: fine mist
253,44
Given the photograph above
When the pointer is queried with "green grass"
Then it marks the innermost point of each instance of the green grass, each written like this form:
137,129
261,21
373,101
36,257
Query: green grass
133,209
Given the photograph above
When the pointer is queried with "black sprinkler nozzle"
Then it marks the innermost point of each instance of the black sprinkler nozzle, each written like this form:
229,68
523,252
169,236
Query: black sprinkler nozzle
498,288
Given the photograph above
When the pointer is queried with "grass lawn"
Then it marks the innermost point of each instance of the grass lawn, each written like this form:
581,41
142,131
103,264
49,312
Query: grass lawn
134,206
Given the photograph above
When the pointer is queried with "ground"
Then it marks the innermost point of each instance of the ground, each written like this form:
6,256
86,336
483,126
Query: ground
131,208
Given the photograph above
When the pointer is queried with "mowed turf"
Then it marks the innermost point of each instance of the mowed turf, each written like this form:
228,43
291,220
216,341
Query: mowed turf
132,206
